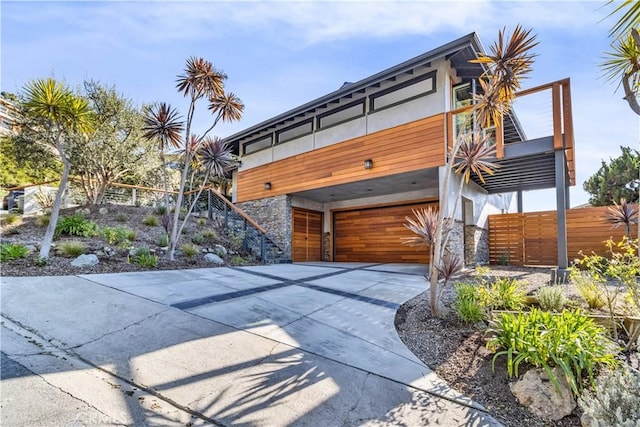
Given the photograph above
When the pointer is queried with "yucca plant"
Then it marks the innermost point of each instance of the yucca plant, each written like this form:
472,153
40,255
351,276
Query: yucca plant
624,214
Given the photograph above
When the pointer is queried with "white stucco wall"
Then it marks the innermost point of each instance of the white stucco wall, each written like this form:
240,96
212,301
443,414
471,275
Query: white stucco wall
484,204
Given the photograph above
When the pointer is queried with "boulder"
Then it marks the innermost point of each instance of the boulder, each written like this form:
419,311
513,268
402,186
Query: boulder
220,250
103,211
214,259
86,260
536,392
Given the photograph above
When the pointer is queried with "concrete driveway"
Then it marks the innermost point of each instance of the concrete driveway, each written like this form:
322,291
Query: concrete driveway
301,344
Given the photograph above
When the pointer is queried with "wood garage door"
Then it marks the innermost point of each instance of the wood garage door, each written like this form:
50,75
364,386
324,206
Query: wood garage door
376,235
307,235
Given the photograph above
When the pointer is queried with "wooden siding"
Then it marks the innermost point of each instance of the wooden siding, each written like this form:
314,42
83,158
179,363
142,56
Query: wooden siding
531,238
307,235
408,147
376,235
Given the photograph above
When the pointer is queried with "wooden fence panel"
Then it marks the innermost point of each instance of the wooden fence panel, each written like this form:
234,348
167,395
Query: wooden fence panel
531,238
506,239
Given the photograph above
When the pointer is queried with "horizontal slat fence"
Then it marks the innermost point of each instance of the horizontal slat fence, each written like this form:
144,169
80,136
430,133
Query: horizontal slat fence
531,238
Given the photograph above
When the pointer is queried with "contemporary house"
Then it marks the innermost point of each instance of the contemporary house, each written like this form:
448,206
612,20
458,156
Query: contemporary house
334,179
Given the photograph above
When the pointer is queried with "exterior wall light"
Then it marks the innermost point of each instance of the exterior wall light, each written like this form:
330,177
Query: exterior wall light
267,186
368,164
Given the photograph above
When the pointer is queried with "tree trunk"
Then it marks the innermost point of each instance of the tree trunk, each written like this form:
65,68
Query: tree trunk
174,237
45,247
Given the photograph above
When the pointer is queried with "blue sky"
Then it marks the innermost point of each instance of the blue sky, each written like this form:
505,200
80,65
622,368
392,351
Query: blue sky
279,55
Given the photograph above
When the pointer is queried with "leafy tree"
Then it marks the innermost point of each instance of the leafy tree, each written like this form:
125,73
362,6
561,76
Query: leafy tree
24,162
607,185
115,150
201,81
57,111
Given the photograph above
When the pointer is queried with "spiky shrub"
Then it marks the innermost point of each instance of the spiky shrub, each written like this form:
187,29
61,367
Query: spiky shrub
569,340
615,401
189,250
467,305
162,240
160,210
150,221
198,239
117,235
202,222
76,225
11,251
209,234
238,260
121,218
10,218
72,249
132,235
551,298
43,220
145,258
588,288
504,294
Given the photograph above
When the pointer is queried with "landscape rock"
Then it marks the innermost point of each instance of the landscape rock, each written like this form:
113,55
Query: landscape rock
214,259
536,392
220,250
86,260
103,211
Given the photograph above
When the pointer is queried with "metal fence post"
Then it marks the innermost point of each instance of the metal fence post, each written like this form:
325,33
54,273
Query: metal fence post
209,204
263,249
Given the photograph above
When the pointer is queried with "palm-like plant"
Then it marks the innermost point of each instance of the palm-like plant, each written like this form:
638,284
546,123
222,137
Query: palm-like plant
509,61
624,214
163,124
200,80
424,226
507,65
59,111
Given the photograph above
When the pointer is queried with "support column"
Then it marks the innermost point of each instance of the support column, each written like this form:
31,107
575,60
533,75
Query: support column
519,197
560,275
566,196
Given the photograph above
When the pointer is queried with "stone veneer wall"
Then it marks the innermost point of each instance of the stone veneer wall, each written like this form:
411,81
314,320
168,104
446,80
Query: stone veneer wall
476,250
326,242
274,215
455,244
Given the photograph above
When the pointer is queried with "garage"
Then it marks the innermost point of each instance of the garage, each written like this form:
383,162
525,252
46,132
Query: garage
375,234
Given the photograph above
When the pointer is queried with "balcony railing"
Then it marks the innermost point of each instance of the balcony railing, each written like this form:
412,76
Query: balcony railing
540,112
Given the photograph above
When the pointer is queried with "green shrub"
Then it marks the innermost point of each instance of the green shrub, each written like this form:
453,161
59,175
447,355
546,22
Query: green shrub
189,250
569,340
551,298
160,210
145,258
202,222
209,234
467,304
238,260
183,212
121,217
198,239
162,240
588,288
616,400
151,221
504,294
11,251
117,235
76,225
41,262
43,220
11,218
132,235
72,249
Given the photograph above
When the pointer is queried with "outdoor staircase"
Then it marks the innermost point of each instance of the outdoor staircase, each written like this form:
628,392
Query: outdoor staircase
237,223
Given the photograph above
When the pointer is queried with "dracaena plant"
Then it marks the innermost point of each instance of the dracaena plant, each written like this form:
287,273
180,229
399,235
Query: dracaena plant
508,63
625,214
201,81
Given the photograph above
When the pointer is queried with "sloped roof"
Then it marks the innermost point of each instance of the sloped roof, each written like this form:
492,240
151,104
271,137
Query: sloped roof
459,52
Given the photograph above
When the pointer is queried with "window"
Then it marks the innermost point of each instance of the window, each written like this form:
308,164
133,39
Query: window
295,131
257,145
405,91
342,114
